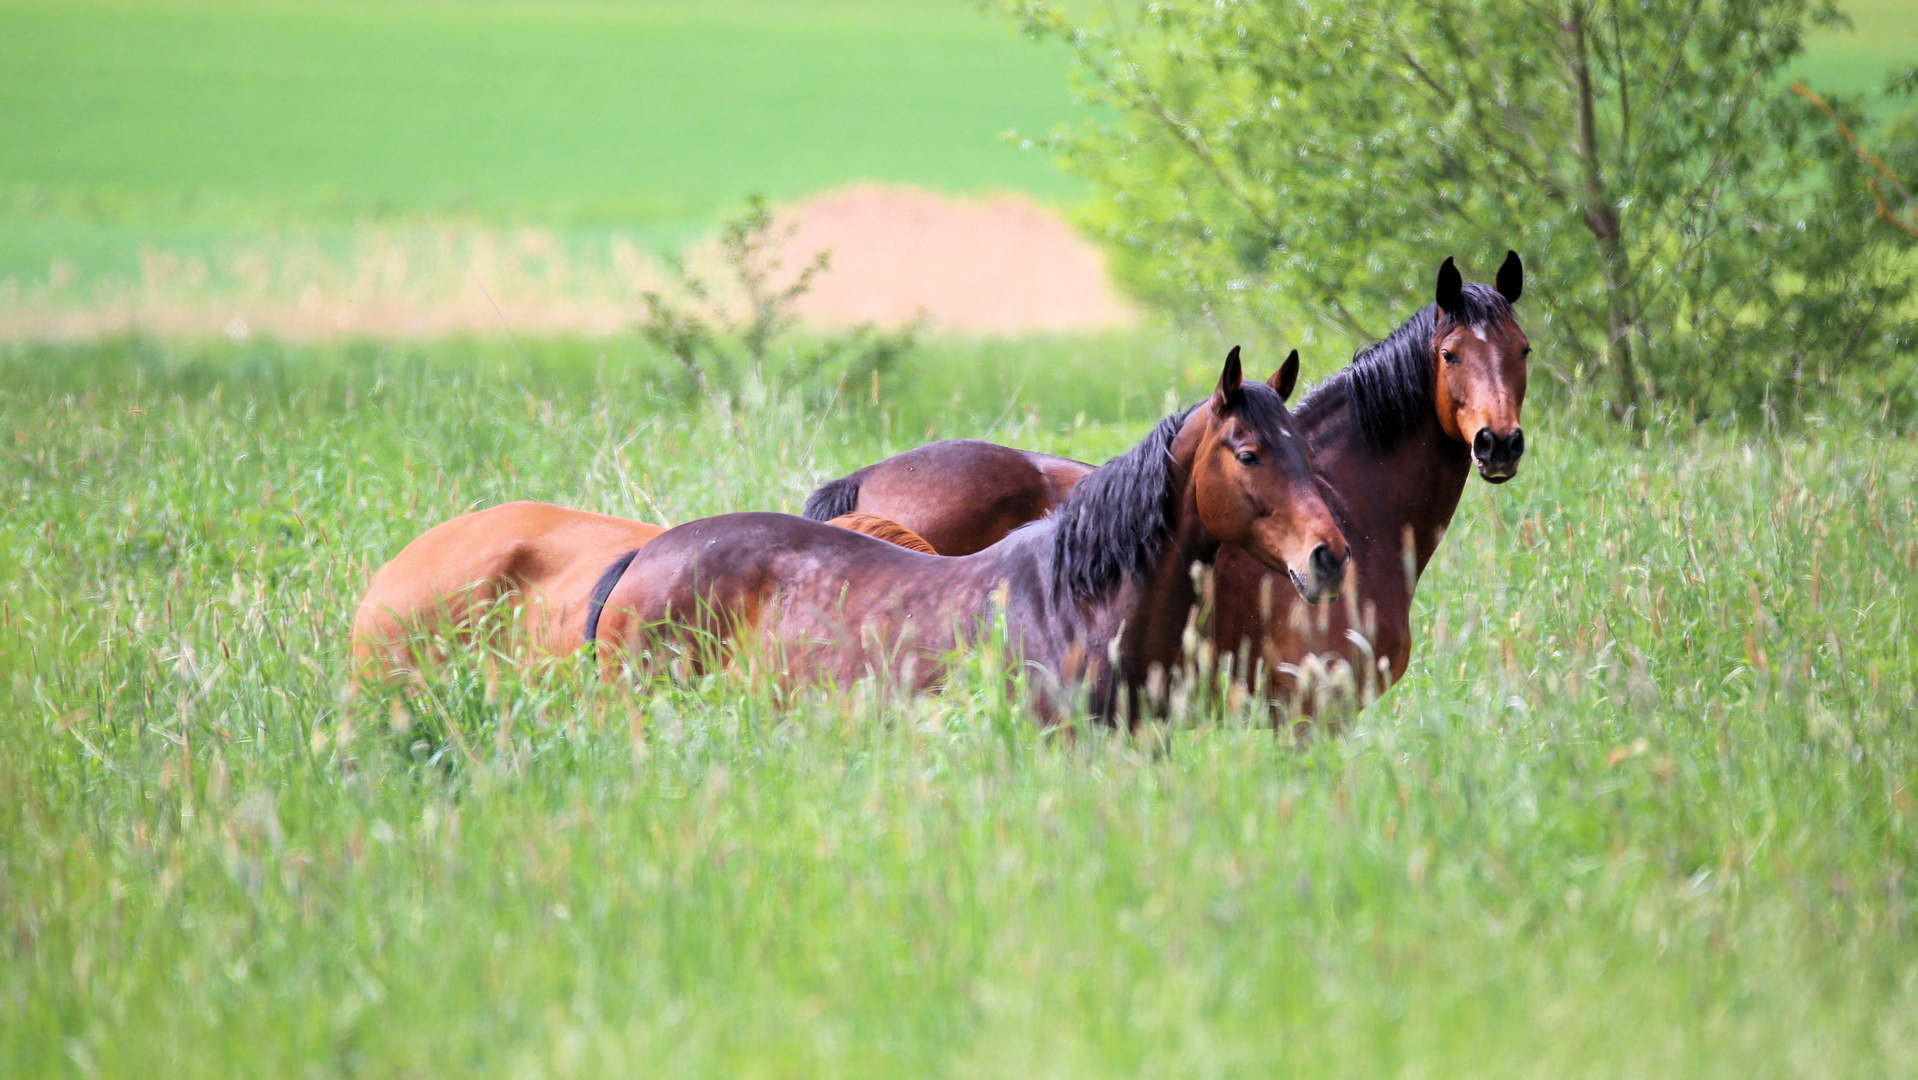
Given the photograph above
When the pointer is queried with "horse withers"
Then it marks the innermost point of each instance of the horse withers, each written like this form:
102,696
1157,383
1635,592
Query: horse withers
1096,596
1396,434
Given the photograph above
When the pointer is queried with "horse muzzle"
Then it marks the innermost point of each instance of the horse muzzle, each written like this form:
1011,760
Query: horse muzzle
1496,454
1322,578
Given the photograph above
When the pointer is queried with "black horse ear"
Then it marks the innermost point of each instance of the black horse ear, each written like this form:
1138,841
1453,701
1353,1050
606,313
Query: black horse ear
1511,278
1451,287
1231,389
1284,379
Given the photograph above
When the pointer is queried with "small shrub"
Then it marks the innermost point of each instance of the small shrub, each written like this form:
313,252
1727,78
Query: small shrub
729,334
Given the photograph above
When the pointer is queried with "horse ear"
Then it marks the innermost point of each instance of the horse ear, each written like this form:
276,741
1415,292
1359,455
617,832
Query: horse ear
1284,379
1231,391
1451,287
1511,278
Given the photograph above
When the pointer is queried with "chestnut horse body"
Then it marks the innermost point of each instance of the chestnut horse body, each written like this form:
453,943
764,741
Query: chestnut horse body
1394,437
1096,596
539,560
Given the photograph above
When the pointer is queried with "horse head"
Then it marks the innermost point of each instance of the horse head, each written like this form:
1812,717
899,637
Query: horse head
1254,483
1480,354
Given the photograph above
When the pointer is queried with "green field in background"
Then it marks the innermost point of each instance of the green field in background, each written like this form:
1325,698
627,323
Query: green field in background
182,124
1882,39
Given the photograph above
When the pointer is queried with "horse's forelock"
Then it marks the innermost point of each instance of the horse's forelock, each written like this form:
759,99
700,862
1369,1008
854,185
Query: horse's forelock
1480,306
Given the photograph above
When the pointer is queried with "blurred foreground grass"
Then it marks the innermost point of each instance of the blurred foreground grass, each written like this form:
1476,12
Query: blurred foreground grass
1644,804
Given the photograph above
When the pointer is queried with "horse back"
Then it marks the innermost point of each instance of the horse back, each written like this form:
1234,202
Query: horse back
830,597
964,495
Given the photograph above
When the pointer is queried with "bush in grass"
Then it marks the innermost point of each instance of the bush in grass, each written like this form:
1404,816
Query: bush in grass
1692,230
726,335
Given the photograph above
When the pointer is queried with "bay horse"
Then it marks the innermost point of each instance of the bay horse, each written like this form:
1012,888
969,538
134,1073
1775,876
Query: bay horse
1395,436
1095,596
994,489
541,560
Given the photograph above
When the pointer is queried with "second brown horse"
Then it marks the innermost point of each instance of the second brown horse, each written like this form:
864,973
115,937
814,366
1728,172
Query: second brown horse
1096,597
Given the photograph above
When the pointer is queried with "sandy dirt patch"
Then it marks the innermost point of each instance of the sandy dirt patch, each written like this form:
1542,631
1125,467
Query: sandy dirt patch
1001,265
995,266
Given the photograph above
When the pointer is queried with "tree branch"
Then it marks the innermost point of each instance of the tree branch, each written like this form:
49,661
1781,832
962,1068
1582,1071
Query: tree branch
1476,121
1909,228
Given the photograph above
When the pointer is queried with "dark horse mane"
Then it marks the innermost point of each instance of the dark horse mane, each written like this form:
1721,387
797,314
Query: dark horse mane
1117,520
1388,385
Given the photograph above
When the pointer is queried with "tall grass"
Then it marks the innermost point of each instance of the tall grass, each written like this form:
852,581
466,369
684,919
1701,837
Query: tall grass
1643,805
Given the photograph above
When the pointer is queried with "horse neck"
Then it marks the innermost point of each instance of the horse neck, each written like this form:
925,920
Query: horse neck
1378,495
1155,609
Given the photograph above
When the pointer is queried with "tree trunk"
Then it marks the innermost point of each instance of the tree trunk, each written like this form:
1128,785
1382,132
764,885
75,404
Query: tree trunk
1601,216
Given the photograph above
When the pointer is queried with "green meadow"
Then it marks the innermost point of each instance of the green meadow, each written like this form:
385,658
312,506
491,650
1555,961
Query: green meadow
1643,805
194,126
1881,40
179,125
198,128
1646,803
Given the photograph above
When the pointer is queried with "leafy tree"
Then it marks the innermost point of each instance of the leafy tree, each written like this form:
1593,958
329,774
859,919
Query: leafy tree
1694,228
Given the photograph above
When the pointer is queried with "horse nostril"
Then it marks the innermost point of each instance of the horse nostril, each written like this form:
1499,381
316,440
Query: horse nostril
1516,447
1482,443
1325,565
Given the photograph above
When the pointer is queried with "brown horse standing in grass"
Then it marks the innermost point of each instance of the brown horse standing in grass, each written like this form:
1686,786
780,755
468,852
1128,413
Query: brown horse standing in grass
540,559
1395,436
1096,595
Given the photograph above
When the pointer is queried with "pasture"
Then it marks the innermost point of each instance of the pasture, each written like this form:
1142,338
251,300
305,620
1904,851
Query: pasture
195,127
1644,804
186,126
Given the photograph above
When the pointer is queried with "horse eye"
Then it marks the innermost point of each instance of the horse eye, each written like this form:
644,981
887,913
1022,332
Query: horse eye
1525,353
1449,357
1248,458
